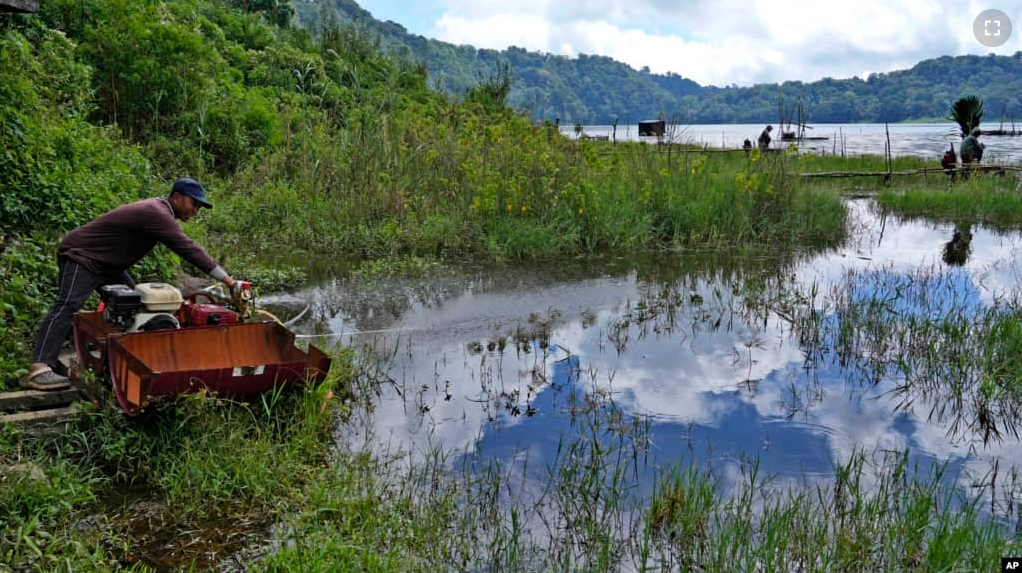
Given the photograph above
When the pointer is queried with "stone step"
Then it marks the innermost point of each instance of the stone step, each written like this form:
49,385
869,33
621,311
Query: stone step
40,417
36,399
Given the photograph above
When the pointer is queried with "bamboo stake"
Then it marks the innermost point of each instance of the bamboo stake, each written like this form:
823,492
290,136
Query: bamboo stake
839,174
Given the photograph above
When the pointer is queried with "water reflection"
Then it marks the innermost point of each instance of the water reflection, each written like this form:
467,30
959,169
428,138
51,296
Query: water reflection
958,249
726,356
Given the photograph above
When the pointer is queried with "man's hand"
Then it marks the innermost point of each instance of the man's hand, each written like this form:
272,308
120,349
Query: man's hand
240,290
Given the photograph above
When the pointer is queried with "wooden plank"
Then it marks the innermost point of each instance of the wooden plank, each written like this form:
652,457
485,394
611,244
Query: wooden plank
40,417
35,399
19,5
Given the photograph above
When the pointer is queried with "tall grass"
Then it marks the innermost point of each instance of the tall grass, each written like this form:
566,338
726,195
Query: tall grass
509,190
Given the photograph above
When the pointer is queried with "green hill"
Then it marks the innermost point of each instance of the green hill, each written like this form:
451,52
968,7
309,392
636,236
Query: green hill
598,90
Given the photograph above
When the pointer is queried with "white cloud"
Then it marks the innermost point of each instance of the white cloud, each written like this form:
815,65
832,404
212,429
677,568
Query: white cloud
496,31
730,41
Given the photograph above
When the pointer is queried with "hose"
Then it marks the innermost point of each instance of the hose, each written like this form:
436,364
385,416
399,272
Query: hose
274,318
298,316
270,315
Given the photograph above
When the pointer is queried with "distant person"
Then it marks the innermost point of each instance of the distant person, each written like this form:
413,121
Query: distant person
747,146
949,162
764,138
972,149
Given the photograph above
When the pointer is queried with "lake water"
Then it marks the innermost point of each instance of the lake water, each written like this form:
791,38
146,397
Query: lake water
920,140
490,363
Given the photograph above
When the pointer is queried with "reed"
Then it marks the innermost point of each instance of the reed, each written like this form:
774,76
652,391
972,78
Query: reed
510,191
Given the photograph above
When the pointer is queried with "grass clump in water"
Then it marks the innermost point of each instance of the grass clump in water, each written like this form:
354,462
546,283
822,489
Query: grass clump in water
982,198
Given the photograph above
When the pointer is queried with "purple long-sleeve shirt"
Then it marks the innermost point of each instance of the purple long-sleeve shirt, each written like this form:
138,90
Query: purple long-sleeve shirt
121,237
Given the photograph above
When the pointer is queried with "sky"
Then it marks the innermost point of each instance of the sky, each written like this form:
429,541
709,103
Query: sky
717,42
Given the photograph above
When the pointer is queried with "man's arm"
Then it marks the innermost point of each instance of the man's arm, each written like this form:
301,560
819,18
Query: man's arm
164,228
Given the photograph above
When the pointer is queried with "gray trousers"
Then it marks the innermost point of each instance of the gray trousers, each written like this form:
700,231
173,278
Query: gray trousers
74,283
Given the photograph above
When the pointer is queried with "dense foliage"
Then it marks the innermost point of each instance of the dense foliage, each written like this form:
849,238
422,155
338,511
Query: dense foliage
599,90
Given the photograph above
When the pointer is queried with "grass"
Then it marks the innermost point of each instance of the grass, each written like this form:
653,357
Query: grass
198,462
988,199
524,194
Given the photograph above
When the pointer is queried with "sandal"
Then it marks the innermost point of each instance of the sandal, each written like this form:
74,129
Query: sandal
45,379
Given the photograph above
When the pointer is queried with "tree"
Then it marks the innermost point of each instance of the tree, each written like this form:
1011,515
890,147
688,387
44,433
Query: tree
967,113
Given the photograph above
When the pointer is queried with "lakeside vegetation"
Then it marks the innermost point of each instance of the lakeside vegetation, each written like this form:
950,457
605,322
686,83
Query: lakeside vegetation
318,142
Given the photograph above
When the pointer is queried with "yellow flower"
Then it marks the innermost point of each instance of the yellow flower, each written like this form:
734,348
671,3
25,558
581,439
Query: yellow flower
509,207
524,208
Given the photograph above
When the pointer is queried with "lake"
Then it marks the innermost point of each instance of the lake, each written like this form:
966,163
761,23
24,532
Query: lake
926,140
705,350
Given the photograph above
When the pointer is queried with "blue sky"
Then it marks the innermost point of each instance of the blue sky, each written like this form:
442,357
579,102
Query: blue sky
716,42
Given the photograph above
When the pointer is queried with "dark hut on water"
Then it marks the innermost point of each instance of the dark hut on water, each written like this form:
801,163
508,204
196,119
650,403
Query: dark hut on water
652,127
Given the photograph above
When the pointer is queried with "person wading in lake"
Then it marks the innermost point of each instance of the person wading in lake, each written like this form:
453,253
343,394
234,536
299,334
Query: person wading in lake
101,251
972,149
764,138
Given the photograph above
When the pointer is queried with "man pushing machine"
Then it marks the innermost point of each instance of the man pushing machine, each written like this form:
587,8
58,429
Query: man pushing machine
101,252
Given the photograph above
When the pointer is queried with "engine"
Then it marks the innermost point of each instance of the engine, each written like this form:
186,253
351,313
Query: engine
120,304
148,306
159,306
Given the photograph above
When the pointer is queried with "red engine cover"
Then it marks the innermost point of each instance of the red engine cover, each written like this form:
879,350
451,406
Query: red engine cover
206,315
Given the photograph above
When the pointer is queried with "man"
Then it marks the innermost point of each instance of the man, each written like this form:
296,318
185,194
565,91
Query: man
971,149
101,251
764,138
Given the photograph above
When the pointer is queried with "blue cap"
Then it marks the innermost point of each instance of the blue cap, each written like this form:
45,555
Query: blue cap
193,189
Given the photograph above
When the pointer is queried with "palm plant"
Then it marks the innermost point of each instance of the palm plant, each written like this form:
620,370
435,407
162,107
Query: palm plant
967,113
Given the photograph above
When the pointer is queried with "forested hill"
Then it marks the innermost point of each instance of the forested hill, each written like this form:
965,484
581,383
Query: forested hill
597,89
586,89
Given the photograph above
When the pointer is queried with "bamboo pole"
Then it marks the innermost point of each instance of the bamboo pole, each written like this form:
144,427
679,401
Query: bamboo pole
921,171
